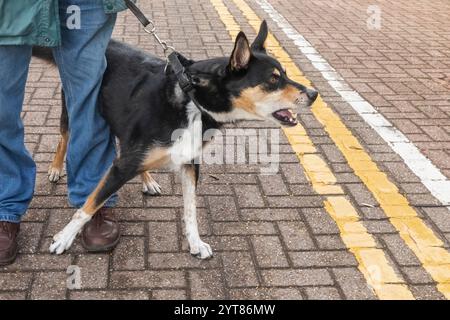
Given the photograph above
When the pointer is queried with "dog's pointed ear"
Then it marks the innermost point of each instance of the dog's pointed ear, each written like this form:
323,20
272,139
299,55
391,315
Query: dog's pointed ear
260,41
240,58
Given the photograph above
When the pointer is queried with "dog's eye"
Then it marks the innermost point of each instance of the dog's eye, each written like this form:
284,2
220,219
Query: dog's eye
274,78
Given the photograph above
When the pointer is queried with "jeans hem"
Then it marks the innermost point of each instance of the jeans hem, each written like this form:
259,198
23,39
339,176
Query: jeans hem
9,218
109,204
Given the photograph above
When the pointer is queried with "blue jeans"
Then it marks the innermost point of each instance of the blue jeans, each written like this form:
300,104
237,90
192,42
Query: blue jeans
81,62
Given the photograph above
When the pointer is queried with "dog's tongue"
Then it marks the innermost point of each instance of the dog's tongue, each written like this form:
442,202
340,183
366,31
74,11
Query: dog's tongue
286,116
285,113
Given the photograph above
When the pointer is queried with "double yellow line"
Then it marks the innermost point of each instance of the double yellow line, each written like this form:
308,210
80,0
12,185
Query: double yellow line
372,261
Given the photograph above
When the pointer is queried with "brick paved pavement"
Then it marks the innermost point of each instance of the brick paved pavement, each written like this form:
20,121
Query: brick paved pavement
271,235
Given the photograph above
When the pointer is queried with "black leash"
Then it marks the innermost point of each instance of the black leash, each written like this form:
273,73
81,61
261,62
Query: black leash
173,59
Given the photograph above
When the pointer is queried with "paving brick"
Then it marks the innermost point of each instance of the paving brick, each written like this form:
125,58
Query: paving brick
361,195
426,292
109,295
273,214
94,271
163,236
179,261
273,185
168,294
402,254
417,275
373,213
132,229
295,202
353,284
249,196
293,173
296,277
49,286
266,294
330,242
36,262
322,259
147,279
440,216
269,251
15,295
228,243
322,293
213,189
129,254
223,208
206,285
295,235
15,281
29,236
333,154
320,222
379,226
239,269
247,228
151,214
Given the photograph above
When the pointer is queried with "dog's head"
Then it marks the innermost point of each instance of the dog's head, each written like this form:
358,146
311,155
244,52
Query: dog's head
251,85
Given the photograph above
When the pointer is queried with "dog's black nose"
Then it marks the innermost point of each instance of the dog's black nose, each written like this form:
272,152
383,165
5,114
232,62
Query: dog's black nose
312,95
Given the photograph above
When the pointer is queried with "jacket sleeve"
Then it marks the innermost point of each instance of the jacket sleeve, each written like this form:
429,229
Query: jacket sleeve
113,6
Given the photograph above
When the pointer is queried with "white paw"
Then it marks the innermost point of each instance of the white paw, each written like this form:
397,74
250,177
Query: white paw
62,241
201,250
151,187
54,174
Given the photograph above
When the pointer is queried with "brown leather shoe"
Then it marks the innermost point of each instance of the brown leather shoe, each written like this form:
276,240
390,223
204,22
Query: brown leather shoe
8,242
102,232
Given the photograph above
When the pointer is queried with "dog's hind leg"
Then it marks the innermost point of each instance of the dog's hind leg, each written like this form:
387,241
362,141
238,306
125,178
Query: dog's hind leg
198,248
120,173
55,170
149,185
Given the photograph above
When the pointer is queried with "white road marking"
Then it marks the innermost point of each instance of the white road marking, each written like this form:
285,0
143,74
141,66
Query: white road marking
431,177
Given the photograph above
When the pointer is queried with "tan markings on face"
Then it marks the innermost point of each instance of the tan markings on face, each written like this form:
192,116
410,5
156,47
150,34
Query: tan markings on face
276,72
155,159
248,98
290,93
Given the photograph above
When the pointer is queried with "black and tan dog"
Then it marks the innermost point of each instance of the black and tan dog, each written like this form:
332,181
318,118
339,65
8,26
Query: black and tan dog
144,105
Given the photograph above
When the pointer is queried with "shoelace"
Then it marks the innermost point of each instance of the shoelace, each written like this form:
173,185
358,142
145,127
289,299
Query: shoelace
98,218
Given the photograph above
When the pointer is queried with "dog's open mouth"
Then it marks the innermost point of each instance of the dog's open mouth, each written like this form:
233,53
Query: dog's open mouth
287,117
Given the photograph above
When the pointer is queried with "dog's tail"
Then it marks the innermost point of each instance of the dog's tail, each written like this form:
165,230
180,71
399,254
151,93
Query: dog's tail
44,53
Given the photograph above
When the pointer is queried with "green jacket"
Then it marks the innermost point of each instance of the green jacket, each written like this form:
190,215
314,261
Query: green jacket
36,22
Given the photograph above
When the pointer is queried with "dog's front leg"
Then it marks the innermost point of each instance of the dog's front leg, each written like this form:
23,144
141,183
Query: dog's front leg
120,172
198,248
64,239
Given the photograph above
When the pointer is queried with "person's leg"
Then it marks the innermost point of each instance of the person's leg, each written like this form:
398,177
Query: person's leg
17,169
81,62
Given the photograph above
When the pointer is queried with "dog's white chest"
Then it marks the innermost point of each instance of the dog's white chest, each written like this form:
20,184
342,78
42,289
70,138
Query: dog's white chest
188,141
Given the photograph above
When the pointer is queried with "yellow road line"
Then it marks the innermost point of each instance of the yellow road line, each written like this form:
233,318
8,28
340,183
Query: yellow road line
415,233
372,261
